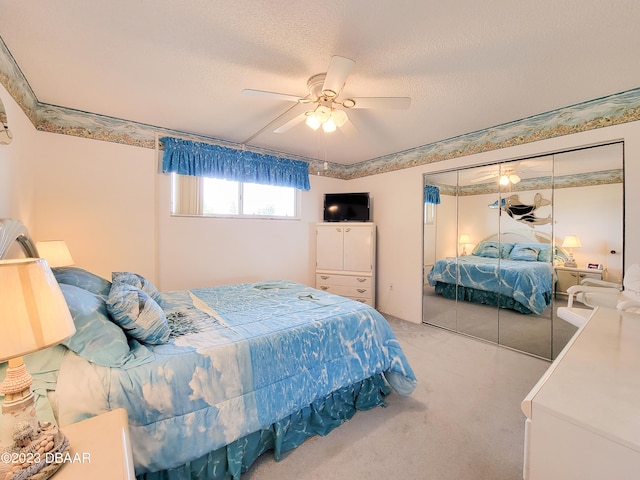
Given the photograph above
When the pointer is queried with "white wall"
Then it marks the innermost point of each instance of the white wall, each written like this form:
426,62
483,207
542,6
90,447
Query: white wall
16,166
197,252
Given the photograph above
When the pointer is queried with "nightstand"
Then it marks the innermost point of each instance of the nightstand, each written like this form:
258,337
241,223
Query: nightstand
569,276
100,449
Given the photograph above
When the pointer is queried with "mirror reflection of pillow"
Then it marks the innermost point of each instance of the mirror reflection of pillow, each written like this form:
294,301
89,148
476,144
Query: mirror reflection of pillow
524,253
631,279
137,314
488,249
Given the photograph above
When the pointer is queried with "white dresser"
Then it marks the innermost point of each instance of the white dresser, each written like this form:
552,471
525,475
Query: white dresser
583,416
345,259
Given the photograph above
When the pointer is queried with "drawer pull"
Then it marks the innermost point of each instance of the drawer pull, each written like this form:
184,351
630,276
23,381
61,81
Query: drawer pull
361,279
324,287
324,277
361,290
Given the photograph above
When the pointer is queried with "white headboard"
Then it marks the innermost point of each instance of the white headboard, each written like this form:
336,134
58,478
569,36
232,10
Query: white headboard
12,231
520,236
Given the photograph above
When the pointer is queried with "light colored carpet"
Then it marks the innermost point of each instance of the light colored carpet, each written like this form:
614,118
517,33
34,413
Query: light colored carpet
463,421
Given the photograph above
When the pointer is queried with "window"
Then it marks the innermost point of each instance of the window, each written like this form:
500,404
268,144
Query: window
203,196
429,213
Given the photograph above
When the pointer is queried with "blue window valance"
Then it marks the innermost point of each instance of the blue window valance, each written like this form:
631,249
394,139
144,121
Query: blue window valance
186,157
431,194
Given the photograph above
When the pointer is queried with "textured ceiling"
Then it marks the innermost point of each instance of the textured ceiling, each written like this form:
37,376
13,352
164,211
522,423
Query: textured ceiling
466,65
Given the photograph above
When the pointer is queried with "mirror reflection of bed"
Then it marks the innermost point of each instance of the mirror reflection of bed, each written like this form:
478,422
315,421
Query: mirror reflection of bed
512,271
544,198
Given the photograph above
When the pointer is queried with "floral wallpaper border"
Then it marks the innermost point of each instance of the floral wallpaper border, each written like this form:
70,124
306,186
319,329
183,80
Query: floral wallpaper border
598,113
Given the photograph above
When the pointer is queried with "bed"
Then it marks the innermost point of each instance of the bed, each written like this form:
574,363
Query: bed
511,270
212,378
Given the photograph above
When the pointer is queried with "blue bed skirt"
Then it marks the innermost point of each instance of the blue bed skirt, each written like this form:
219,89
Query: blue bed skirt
473,295
319,418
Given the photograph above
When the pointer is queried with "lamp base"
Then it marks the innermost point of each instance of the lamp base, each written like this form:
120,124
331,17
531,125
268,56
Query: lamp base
34,455
29,449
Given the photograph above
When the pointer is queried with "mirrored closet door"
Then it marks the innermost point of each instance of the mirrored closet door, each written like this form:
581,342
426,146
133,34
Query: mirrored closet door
498,237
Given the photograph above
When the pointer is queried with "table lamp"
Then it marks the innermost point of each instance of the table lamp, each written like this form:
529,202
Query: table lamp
571,242
55,252
33,315
464,240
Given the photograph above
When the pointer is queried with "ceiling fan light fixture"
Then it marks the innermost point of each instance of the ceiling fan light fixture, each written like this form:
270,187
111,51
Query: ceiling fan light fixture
322,113
504,180
312,122
339,117
329,93
329,126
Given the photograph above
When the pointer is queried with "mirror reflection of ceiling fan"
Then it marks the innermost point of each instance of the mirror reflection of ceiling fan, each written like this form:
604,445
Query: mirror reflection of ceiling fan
509,174
326,108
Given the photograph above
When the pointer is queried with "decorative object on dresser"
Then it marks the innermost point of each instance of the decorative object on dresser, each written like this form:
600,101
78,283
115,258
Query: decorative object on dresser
345,260
33,316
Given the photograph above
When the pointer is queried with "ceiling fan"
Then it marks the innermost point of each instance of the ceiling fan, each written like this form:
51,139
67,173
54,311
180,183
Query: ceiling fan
510,173
325,108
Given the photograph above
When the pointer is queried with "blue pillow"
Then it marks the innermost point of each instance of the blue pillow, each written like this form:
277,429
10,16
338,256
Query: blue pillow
138,314
82,279
494,249
488,249
97,339
545,254
525,253
138,281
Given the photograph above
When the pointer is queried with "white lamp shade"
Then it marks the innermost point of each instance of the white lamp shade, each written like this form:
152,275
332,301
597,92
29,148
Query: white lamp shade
313,122
329,126
571,241
465,238
33,311
322,113
55,252
339,117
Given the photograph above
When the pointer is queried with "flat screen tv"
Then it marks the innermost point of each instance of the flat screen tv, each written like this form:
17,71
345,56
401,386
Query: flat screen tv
347,207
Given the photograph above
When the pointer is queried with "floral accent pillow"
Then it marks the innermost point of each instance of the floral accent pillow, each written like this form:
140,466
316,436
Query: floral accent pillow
140,282
138,314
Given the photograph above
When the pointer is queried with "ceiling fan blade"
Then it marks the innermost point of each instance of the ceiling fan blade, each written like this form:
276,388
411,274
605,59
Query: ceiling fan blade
380,102
273,95
484,177
285,127
339,70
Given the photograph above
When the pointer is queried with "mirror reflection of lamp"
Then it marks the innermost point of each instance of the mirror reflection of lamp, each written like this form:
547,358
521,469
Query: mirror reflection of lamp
464,240
571,242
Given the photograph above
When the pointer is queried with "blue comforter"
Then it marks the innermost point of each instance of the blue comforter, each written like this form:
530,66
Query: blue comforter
242,357
529,283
